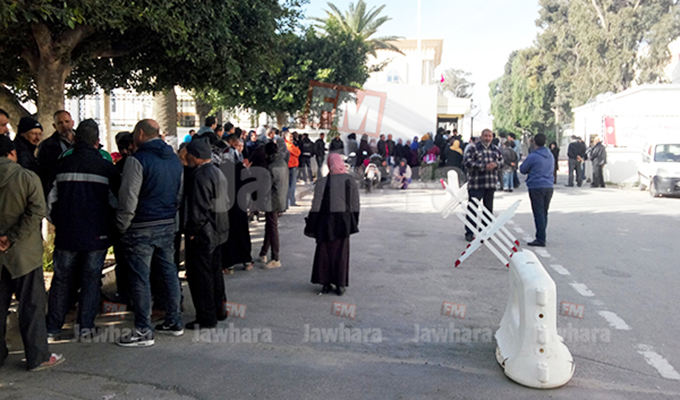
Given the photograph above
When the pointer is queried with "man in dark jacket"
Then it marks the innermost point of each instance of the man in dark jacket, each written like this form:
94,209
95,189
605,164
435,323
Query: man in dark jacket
51,148
598,155
22,208
320,152
382,150
82,208
151,191
275,202
337,146
306,152
540,166
125,148
27,140
390,150
576,153
206,229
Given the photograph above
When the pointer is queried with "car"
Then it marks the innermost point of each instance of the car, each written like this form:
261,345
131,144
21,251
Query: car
660,169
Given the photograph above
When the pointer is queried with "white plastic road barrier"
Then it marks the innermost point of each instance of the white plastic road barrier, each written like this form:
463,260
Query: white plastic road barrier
529,348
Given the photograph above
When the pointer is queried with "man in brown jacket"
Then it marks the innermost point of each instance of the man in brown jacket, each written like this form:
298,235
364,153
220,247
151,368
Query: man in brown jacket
22,208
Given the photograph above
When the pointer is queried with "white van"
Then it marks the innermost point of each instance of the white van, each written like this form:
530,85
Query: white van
660,169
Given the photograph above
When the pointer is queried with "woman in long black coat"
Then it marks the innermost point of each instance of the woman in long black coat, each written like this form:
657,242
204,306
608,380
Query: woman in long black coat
238,247
333,218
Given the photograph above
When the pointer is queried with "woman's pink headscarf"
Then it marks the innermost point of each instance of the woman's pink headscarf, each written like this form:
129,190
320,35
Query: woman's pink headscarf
335,164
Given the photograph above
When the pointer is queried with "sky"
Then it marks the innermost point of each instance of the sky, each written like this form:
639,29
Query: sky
479,35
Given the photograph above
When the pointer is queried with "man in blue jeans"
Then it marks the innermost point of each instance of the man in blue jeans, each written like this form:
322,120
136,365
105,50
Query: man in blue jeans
151,191
82,207
539,165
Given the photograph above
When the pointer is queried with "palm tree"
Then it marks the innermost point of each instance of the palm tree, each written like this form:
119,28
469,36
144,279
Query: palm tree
358,22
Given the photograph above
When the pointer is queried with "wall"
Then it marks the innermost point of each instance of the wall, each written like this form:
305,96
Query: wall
409,111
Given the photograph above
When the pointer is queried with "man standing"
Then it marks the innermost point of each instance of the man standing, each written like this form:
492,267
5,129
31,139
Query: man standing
22,208
540,166
382,150
207,131
390,150
27,140
151,191
576,153
82,208
517,147
51,148
275,203
206,229
598,155
4,120
337,146
293,164
320,152
482,161
307,150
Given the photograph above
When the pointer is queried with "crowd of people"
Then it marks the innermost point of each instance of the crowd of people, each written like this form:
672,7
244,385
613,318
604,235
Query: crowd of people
147,198
142,201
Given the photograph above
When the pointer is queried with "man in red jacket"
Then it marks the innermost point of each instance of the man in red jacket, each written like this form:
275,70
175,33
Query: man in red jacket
293,163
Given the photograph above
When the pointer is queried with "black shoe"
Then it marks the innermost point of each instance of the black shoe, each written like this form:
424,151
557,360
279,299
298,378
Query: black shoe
198,325
174,330
137,339
340,290
569,185
536,243
469,237
325,289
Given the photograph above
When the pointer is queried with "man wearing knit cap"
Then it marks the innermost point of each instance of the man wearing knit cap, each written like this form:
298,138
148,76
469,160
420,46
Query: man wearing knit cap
28,137
22,208
206,229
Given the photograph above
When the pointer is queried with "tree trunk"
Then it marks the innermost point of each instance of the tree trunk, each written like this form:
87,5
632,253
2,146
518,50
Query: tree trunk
203,110
106,136
50,81
165,110
50,63
281,118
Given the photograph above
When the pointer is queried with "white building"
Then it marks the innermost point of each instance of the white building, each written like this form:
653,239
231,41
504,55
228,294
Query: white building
627,121
414,106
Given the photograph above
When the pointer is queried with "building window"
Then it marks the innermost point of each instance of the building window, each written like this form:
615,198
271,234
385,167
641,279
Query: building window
393,76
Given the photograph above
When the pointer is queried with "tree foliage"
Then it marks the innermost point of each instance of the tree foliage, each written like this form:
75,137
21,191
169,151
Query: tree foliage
358,22
50,45
585,47
338,58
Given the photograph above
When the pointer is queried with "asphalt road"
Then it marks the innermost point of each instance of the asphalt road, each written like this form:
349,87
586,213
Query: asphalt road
612,251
